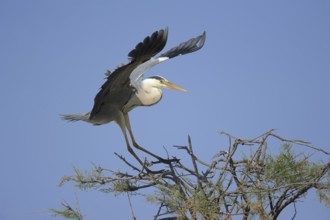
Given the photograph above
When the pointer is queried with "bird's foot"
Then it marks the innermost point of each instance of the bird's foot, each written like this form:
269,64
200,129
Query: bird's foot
147,165
155,171
166,161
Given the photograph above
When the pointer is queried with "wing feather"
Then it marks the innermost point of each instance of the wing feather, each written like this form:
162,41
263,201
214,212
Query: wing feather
150,46
118,82
189,46
117,88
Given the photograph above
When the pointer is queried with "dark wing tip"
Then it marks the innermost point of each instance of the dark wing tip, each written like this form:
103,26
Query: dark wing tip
202,40
186,47
150,46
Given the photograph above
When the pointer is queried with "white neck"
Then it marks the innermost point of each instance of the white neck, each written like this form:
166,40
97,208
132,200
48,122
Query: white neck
148,93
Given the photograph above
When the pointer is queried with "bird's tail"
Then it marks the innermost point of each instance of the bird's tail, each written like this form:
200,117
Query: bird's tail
76,117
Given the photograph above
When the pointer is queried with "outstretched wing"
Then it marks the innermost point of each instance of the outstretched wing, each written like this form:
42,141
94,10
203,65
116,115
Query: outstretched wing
150,46
186,47
189,46
118,82
117,89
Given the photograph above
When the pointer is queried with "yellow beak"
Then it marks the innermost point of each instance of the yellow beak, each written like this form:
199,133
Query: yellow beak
173,86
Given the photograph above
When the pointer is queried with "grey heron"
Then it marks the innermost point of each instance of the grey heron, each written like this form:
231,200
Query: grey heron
125,88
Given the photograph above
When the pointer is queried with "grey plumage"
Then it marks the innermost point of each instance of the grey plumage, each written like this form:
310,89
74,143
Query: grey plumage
76,117
126,89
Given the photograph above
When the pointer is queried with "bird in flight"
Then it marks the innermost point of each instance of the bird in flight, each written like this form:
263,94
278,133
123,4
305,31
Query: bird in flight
126,87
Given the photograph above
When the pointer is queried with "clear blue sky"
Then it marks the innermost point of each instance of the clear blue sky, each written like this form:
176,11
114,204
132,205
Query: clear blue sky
265,64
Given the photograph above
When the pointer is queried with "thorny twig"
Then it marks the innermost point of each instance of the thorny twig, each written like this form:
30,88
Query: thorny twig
233,186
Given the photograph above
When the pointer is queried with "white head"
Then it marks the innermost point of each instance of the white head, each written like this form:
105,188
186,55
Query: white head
149,92
161,82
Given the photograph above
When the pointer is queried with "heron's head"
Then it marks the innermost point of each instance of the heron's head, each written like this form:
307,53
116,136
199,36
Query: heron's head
161,82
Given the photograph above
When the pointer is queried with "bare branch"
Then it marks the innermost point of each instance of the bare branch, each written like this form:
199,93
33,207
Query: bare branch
255,184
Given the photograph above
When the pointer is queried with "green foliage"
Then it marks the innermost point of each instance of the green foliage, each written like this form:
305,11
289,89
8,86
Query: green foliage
324,190
85,179
178,202
172,196
289,168
324,196
68,212
120,186
256,184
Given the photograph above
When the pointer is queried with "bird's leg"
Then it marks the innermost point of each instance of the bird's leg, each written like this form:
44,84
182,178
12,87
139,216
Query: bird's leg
128,125
122,126
131,151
